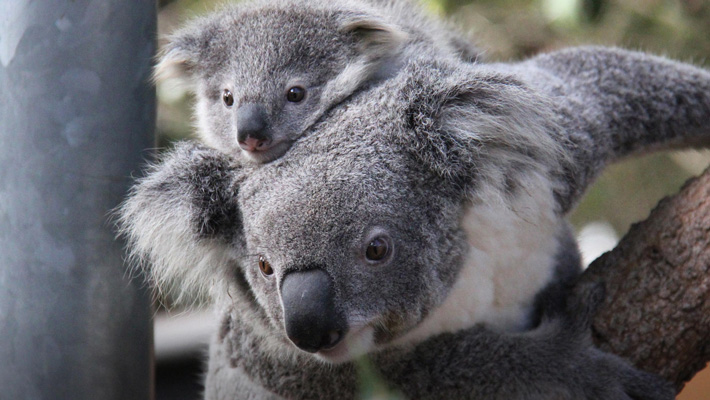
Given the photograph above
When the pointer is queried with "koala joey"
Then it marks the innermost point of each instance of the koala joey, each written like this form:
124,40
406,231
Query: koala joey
264,71
420,223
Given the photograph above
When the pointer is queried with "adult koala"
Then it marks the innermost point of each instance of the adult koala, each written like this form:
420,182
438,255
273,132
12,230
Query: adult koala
420,222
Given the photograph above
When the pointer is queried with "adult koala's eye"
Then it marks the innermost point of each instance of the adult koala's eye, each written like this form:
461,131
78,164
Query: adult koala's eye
378,249
228,98
295,94
265,267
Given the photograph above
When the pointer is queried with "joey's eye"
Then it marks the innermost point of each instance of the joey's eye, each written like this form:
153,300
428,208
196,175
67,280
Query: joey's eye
265,267
295,94
378,249
228,98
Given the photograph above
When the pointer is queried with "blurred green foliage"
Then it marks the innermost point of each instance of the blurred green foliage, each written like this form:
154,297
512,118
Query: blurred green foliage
372,386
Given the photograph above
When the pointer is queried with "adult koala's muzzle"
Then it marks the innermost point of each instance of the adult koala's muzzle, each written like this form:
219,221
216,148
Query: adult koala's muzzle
313,322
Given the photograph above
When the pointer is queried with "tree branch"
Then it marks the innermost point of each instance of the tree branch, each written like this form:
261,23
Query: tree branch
657,307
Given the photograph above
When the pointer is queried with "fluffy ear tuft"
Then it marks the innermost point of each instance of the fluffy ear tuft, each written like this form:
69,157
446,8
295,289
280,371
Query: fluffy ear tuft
473,126
181,53
174,62
376,37
182,221
377,45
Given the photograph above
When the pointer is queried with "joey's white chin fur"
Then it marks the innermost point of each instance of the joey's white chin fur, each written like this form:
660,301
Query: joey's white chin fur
276,150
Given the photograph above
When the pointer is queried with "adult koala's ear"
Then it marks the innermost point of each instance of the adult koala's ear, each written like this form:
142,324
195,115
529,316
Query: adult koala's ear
377,45
182,221
473,125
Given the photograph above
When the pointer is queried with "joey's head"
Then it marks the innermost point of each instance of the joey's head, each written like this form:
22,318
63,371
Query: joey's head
264,71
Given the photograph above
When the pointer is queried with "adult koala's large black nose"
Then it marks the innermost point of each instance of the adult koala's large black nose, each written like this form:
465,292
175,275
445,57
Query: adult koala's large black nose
252,127
313,321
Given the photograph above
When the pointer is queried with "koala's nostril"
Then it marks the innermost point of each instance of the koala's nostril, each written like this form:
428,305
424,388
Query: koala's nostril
253,144
331,339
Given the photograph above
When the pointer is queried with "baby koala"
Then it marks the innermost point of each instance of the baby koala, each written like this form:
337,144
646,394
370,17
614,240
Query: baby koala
264,71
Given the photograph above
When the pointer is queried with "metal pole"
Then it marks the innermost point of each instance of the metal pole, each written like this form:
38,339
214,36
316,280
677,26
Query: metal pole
76,113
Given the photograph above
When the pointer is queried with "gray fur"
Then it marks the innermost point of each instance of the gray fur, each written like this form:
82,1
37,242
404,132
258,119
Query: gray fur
614,103
259,49
469,170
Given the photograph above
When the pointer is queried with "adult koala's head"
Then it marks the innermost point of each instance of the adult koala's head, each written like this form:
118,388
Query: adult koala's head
356,238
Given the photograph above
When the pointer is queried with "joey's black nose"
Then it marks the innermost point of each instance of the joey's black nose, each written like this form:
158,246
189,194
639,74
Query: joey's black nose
313,322
252,127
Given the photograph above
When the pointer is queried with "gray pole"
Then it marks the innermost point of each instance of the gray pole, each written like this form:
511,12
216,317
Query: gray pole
76,113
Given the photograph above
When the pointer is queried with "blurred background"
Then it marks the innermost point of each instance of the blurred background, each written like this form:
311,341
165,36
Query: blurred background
504,30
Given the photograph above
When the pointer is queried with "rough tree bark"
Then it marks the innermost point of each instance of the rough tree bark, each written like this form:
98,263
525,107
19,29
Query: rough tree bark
657,307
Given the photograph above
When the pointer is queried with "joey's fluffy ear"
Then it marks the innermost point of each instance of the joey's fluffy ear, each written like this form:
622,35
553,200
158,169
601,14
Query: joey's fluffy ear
182,221
375,37
472,125
176,59
377,44
181,53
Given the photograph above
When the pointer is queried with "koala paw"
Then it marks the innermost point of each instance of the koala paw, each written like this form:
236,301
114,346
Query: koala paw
610,377
563,345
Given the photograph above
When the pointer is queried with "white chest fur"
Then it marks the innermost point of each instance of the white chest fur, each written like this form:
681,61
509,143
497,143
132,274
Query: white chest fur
511,258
